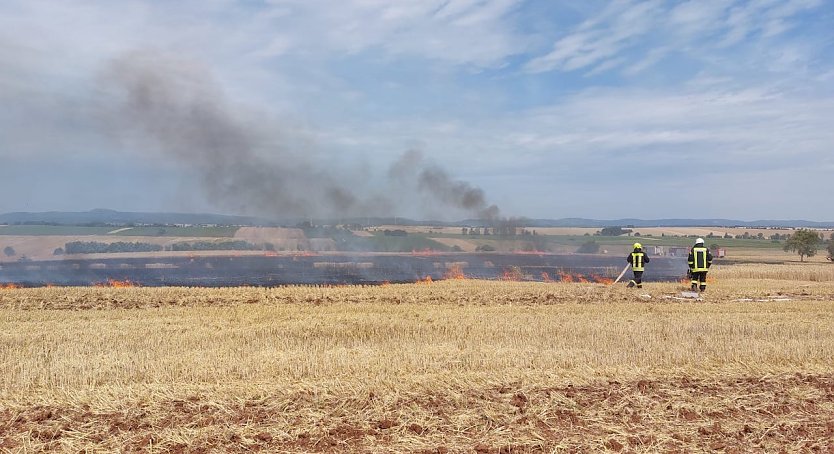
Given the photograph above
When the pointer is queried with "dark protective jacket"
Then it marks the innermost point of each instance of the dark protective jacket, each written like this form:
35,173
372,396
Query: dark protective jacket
700,259
638,259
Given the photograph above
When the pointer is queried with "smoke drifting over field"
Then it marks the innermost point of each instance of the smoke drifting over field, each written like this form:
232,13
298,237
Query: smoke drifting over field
245,164
437,183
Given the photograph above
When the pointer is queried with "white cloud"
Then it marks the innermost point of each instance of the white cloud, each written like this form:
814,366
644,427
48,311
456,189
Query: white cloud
651,59
711,135
766,17
730,129
598,38
366,79
605,66
718,123
694,17
470,32
643,31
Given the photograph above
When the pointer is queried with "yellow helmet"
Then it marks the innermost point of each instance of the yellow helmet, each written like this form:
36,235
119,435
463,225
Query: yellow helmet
638,246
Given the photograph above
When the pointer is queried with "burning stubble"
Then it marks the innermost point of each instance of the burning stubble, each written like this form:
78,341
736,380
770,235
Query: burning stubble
249,168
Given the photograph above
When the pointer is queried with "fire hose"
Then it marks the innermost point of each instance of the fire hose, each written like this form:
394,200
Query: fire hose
621,274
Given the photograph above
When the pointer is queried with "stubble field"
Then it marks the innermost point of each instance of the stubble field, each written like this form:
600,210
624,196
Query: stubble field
452,366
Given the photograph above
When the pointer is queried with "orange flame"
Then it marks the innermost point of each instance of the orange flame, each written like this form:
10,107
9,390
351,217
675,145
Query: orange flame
9,286
601,279
117,284
512,273
427,280
582,279
454,272
546,277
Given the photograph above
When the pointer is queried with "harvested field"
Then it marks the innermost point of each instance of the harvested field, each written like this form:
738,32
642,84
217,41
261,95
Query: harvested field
671,231
769,255
453,366
797,272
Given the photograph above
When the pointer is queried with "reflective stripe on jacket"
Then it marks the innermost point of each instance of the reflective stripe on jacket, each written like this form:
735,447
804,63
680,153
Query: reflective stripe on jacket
699,259
638,261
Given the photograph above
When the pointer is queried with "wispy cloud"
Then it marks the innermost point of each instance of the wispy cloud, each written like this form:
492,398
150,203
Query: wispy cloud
599,38
637,33
475,32
525,98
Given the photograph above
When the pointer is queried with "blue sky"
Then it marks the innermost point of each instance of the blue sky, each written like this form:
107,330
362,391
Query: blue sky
633,108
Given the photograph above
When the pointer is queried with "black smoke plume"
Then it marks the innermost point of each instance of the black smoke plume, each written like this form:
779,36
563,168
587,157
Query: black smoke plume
434,181
249,165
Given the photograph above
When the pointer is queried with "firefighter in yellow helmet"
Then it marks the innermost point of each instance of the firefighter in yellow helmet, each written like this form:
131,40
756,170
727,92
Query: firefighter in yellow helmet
638,260
700,259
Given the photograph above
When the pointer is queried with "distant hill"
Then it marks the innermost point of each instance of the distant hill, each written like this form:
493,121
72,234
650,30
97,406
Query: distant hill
579,222
112,217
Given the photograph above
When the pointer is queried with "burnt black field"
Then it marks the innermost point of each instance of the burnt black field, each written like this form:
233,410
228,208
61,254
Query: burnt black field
335,269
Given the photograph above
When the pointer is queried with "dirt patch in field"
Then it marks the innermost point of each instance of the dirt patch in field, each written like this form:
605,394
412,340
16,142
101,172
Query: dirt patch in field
742,414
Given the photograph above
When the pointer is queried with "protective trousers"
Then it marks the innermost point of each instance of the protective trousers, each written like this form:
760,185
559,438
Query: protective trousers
699,278
638,280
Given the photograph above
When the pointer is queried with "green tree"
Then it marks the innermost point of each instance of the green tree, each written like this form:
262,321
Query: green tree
588,247
614,231
804,242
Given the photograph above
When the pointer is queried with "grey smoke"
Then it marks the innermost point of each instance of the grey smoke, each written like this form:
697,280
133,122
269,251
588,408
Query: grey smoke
436,181
246,164
439,185
240,165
